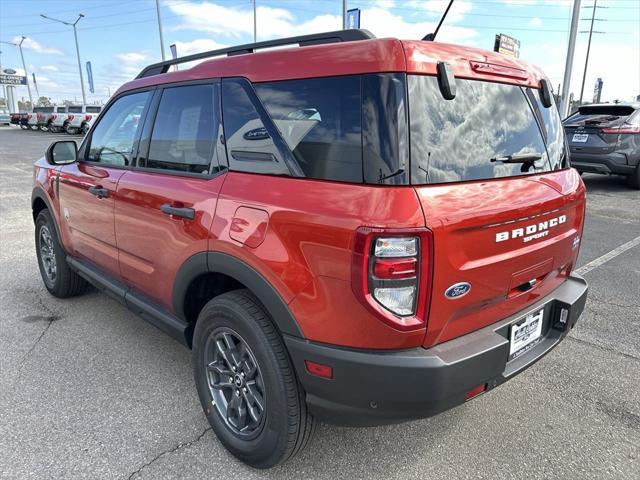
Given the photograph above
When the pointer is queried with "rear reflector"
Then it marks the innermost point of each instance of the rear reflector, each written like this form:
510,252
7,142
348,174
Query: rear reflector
474,392
388,268
319,370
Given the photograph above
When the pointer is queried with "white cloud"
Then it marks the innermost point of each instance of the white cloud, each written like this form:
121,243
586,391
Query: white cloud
519,3
436,8
49,68
132,57
535,22
386,24
197,46
31,44
277,22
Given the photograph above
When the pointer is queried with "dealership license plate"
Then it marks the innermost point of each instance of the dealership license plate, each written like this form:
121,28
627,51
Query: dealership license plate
525,334
580,137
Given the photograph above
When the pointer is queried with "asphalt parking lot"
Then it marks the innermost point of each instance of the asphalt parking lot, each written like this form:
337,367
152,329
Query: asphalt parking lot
89,390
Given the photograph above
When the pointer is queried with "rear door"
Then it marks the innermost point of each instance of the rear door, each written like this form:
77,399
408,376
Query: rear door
88,187
509,231
165,204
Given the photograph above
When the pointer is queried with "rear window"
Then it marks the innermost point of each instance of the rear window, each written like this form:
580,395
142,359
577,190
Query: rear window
600,115
93,109
74,110
456,140
43,109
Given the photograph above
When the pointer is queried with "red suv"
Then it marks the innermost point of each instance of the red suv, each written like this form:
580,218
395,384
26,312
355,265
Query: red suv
354,230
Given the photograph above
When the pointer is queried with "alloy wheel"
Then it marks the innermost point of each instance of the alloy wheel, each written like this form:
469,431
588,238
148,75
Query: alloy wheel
235,383
47,254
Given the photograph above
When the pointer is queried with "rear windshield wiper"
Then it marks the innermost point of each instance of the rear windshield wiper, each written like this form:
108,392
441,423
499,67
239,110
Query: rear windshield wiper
524,158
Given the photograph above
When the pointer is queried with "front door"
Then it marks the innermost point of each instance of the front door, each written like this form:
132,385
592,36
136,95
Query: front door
165,204
88,187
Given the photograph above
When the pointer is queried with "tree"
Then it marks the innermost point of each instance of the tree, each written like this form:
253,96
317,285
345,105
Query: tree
44,101
24,106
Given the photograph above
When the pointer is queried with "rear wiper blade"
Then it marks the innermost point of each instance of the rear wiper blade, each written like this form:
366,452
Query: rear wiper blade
524,158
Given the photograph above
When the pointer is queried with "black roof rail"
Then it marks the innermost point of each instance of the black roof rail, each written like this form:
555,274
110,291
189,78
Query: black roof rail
303,40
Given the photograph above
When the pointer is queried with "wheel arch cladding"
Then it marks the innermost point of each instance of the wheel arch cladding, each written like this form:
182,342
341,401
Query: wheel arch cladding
39,202
216,265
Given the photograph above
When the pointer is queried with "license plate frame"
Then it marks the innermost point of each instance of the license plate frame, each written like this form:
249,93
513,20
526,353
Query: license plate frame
580,138
525,334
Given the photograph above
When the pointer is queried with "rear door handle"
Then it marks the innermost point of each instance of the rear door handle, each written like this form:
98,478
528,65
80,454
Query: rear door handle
183,212
98,191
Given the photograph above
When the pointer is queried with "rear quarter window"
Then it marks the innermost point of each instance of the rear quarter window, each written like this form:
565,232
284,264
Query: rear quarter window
456,140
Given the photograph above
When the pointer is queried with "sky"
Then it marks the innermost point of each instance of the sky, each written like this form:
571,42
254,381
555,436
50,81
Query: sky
121,37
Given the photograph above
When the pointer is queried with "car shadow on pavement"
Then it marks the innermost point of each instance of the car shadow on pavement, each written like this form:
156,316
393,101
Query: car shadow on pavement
606,184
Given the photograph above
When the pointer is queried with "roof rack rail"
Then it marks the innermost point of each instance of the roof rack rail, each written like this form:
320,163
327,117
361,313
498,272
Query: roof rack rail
303,40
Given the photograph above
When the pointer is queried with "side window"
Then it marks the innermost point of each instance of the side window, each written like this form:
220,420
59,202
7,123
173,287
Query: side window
113,137
250,147
320,120
185,130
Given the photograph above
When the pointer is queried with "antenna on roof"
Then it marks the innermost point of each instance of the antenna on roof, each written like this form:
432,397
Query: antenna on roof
430,37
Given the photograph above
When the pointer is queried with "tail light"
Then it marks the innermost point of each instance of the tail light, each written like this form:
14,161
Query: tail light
70,117
391,274
54,116
623,129
29,117
39,116
87,118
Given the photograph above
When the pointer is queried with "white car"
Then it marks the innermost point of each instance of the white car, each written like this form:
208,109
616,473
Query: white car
80,119
45,120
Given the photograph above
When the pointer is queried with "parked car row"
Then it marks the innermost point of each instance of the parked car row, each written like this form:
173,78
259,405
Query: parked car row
73,119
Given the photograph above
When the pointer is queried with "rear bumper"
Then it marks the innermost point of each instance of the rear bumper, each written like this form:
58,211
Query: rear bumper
601,163
378,387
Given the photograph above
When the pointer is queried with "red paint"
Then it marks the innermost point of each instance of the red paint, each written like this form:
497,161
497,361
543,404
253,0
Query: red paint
310,238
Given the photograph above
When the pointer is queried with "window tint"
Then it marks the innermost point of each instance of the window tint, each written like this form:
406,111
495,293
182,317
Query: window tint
114,135
250,147
61,109
185,129
93,109
74,109
384,129
320,120
552,129
600,116
455,140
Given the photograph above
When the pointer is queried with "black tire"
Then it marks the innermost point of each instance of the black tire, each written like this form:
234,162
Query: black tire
54,129
34,127
69,130
84,129
64,282
634,179
285,425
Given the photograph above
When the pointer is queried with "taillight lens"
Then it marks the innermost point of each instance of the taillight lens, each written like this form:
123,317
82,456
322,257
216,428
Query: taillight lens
54,116
70,117
623,130
87,118
28,117
391,274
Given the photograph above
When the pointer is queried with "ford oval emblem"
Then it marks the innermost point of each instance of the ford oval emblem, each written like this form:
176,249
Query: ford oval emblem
458,290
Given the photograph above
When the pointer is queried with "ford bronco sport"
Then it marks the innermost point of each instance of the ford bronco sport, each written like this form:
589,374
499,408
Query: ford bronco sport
353,230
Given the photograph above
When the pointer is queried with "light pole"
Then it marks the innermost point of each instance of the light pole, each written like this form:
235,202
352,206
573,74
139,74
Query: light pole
344,14
160,29
566,81
4,92
24,66
586,60
255,23
75,34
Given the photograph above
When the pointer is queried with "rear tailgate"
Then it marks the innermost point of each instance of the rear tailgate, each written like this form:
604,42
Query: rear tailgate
506,228
497,236
592,128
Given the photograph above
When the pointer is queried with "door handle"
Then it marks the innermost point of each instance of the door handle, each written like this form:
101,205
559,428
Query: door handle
183,212
98,191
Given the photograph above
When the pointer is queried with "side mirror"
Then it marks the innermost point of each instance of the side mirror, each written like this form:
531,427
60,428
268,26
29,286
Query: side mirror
446,80
62,153
546,95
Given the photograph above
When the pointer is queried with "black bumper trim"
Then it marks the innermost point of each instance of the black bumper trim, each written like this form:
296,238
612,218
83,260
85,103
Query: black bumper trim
605,163
378,387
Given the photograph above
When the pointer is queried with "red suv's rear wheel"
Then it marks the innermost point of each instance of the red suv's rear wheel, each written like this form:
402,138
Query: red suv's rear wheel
246,383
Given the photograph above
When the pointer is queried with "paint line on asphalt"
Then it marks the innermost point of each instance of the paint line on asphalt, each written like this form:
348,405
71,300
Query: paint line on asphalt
608,256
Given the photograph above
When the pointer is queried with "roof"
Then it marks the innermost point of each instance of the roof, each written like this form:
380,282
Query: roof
355,57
